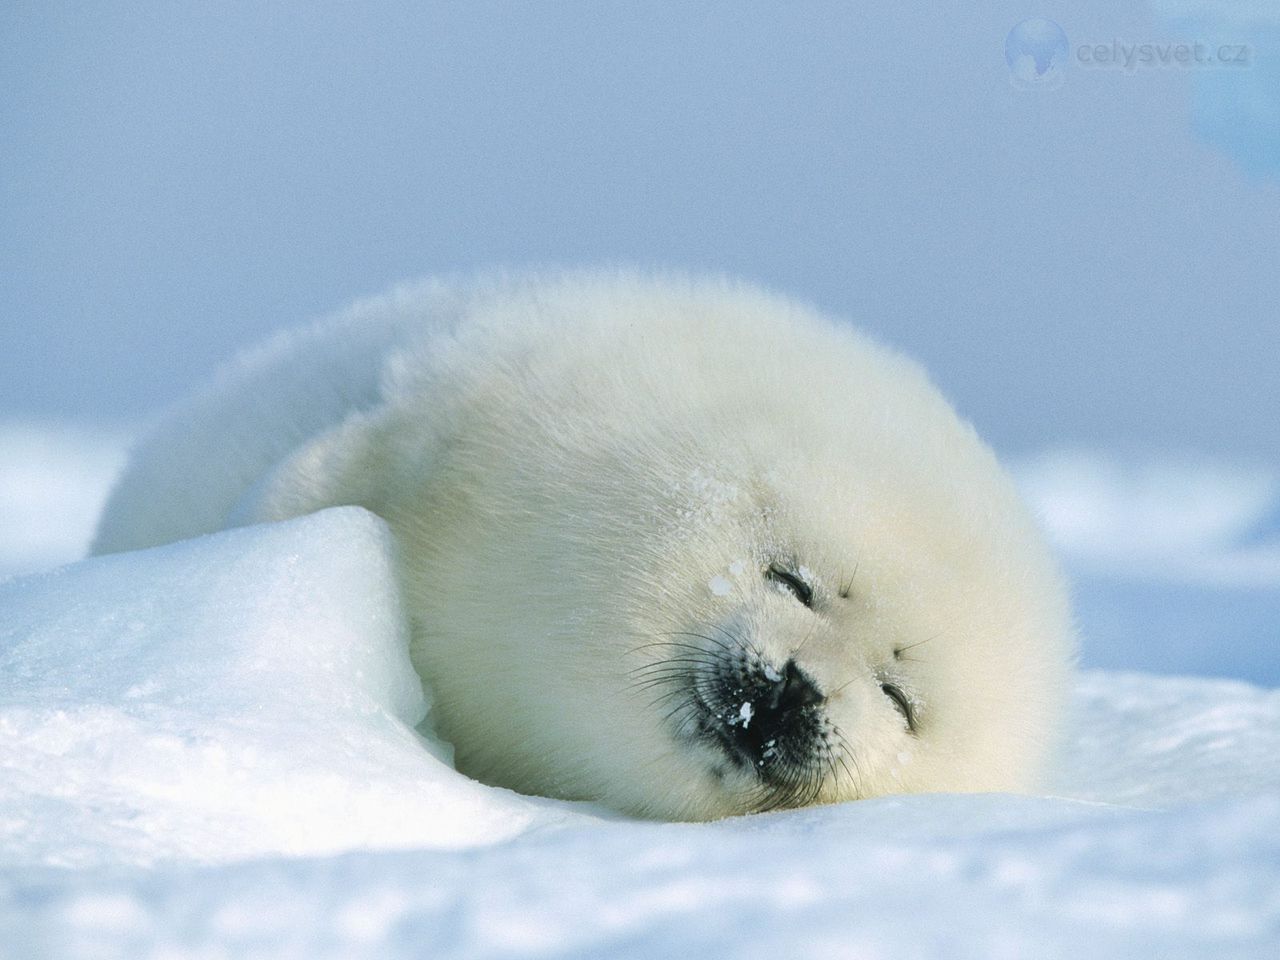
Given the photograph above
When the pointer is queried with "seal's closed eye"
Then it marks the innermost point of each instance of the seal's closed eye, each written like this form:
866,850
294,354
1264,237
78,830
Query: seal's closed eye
901,702
791,581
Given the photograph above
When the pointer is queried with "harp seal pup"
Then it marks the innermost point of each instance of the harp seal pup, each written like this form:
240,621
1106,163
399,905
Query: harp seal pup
680,546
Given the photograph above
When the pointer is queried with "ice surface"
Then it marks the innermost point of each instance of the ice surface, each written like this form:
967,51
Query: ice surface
208,750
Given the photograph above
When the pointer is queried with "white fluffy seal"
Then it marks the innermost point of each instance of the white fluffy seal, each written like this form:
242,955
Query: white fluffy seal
683,547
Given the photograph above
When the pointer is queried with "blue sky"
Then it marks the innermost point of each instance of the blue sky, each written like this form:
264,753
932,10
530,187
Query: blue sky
1093,265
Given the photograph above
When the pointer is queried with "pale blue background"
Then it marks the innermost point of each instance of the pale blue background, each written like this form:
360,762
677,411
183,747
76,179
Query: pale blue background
1073,264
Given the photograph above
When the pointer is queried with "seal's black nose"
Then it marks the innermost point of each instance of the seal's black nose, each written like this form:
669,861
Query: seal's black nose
769,716
795,689
786,694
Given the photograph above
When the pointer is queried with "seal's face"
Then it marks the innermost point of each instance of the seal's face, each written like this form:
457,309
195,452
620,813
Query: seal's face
892,646
770,698
758,690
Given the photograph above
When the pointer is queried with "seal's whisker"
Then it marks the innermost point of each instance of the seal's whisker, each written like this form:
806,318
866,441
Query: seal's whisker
704,661
665,697
668,672
657,683
842,686
813,627
689,705
679,678
665,668
665,644
846,586
654,684
688,652
739,642
702,636
918,643
831,765
846,750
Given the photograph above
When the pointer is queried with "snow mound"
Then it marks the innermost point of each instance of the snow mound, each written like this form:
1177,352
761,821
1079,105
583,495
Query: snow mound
212,749
240,695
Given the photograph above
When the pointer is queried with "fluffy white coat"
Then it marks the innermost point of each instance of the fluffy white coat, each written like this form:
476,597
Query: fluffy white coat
584,471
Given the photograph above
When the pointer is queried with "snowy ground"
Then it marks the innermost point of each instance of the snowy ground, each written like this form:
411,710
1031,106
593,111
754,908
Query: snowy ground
209,750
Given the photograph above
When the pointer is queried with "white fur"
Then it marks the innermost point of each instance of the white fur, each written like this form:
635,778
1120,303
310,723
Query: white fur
577,467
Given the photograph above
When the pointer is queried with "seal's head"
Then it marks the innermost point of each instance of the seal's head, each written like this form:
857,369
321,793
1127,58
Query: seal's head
694,551
898,645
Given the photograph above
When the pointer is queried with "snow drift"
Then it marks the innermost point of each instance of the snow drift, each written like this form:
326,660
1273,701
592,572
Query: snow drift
241,695
213,749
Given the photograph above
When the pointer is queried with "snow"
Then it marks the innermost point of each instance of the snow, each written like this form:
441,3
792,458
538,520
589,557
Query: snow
972,877
719,586
242,695
216,749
